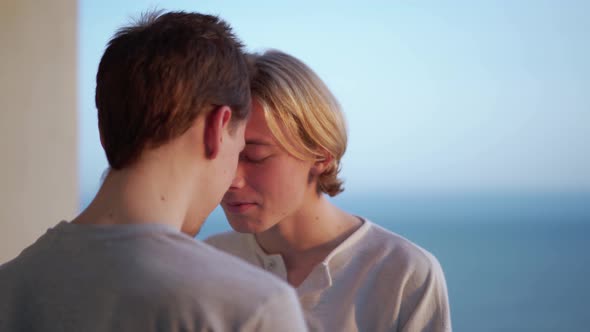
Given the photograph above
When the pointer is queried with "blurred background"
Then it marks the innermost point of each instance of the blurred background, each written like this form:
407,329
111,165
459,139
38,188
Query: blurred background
469,134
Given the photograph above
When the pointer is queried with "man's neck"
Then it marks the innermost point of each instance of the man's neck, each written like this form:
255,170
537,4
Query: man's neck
310,234
142,194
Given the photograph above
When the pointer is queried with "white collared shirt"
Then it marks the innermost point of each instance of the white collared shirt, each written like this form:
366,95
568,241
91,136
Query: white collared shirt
375,280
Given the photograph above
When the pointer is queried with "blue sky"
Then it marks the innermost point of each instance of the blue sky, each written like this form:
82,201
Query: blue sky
439,95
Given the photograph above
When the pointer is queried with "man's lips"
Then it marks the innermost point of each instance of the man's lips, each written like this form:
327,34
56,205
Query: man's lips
238,206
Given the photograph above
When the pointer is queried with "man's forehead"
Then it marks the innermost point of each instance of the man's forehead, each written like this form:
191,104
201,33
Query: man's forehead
257,130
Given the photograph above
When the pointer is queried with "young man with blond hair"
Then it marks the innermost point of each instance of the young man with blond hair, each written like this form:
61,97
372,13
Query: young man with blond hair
350,274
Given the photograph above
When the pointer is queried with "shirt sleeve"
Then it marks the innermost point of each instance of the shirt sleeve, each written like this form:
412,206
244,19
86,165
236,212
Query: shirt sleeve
282,312
425,306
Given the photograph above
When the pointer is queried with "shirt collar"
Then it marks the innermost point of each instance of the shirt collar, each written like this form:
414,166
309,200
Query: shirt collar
320,277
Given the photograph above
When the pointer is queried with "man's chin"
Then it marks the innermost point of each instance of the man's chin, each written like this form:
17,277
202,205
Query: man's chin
243,225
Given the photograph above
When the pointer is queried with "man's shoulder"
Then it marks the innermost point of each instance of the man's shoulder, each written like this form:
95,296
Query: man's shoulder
28,260
10,271
415,274
224,264
399,253
219,280
234,243
212,272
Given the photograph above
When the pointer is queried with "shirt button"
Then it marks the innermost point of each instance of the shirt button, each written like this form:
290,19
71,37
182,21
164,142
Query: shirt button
270,265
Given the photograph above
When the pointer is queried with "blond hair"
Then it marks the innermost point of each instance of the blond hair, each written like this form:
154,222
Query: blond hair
301,112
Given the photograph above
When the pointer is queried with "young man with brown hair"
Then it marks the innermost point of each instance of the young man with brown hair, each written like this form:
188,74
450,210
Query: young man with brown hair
172,97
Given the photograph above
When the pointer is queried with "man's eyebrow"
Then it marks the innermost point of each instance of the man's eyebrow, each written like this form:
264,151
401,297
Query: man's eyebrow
257,142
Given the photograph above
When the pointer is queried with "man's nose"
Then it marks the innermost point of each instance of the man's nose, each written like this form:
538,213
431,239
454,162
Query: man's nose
238,181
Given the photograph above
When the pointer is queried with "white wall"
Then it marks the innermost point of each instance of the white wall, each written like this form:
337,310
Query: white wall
38,136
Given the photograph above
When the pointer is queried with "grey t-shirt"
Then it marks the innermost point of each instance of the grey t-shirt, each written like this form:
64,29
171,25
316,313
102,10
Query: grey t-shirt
138,278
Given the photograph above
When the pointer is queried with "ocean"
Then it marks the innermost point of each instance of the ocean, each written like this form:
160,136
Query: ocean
512,261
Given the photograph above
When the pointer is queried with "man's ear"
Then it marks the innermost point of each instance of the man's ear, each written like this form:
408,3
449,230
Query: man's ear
322,164
216,122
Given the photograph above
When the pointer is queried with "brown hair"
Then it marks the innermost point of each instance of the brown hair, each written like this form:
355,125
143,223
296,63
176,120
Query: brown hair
301,112
159,74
